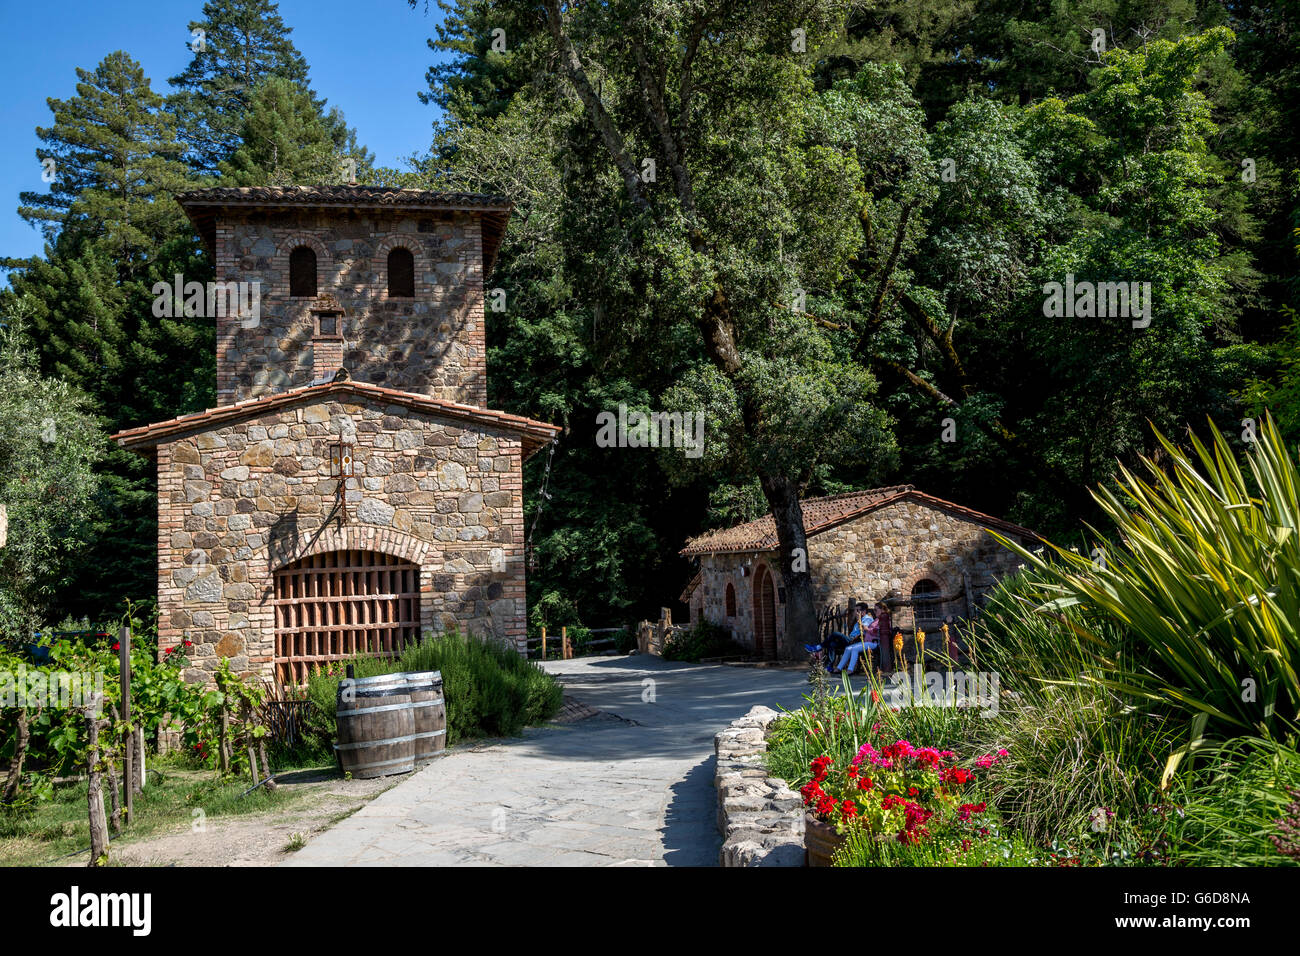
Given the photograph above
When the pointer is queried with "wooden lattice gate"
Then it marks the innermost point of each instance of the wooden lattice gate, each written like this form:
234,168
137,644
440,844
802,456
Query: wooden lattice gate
333,605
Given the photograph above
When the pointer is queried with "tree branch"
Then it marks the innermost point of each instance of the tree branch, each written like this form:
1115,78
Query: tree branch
572,65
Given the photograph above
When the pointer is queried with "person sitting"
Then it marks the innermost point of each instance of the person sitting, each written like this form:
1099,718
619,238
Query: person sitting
836,642
861,638
866,632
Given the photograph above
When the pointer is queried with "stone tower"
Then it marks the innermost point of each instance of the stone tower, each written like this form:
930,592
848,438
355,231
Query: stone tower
350,491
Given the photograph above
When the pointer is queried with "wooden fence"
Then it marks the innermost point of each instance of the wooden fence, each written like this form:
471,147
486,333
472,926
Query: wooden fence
561,646
284,720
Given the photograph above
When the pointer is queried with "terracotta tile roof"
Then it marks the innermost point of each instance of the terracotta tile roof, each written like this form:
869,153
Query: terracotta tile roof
821,514
201,205
533,434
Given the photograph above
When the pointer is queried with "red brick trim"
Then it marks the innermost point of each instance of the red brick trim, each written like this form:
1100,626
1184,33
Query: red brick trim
354,537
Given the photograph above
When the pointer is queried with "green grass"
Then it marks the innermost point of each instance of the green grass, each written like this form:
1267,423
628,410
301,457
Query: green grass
57,831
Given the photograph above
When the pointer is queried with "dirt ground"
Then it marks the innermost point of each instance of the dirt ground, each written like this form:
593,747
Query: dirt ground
255,839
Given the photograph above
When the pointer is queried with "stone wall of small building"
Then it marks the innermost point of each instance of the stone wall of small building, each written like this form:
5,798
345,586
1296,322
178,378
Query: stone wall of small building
432,343
884,551
738,570
889,550
241,500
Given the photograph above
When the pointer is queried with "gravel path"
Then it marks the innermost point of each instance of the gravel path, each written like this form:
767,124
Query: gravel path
631,784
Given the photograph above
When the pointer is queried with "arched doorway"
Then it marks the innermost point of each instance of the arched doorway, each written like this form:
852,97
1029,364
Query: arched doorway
764,613
336,604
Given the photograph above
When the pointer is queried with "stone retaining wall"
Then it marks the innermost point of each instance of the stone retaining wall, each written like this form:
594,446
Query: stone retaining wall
760,818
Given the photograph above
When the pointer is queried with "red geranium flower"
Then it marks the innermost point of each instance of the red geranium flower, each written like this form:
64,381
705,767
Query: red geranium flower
117,646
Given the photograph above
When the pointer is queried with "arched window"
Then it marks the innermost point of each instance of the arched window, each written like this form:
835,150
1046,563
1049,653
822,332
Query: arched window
731,600
927,611
302,272
401,273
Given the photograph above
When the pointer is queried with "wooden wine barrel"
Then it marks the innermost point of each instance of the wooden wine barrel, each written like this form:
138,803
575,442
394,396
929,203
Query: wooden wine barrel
376,728
430,712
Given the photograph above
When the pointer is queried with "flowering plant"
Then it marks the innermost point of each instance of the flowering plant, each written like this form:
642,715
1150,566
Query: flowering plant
897,789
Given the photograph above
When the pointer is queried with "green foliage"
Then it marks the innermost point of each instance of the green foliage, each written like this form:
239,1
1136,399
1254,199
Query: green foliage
49,447
490,691
284,141
75,671
245,46
1228,809
703,639
1197,613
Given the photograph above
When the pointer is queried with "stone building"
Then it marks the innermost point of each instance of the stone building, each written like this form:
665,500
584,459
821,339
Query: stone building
350,491
930,557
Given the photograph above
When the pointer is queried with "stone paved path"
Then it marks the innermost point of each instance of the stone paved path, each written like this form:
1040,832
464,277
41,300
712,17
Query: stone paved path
632,785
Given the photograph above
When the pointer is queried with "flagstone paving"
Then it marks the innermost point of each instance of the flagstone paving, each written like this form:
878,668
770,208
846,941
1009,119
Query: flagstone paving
623,778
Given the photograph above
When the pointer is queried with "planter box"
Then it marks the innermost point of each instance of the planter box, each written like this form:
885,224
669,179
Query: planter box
820,841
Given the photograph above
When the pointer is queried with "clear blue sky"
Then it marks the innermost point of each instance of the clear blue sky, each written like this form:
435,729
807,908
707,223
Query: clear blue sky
367,57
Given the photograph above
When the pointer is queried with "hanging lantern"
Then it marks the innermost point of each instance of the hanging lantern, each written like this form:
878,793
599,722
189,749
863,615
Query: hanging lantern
341,460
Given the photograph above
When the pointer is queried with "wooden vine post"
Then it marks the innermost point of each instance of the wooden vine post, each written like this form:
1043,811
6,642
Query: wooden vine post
543,642
95,792
128,768
565,651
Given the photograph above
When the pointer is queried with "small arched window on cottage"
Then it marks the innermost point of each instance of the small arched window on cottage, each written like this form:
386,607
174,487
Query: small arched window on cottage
302,272
927,610
401,273
731,600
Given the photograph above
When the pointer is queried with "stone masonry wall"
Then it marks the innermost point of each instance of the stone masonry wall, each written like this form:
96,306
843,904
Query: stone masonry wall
886,550
719,570
241,500
890,549
432,344
760,818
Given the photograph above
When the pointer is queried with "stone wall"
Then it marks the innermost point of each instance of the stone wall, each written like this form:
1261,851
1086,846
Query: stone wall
760,818
894,547
432,344
241,500
883,551
719,570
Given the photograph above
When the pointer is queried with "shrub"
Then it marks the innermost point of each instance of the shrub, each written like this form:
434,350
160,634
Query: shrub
489,689
1198,611
703,639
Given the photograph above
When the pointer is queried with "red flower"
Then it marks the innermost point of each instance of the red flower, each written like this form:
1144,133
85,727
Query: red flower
912,791
865,784
170,649
189,643
849,809
117,647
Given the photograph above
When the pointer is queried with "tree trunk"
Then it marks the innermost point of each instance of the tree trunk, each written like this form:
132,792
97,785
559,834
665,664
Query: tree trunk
95,796
800,603
15,774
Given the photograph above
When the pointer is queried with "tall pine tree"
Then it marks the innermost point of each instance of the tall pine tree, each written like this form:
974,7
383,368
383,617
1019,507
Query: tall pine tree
237,47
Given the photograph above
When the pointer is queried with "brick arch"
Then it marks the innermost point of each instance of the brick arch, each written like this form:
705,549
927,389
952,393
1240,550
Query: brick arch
400,241
290,243
938,577
353,537
379,261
